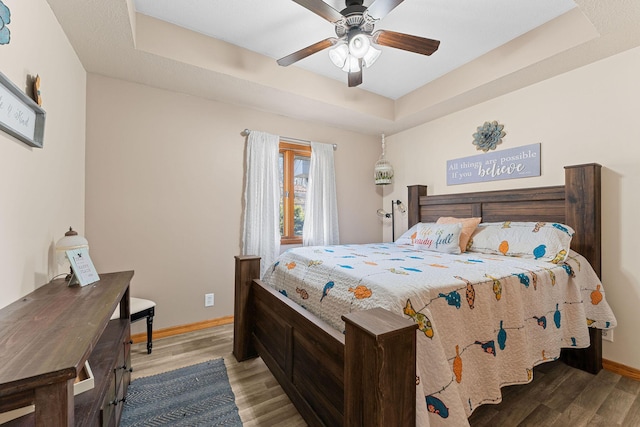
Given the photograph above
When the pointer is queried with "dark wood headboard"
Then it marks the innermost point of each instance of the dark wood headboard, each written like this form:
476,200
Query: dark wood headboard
576,203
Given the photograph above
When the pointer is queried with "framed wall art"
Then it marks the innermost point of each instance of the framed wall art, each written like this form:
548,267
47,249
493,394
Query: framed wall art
20,116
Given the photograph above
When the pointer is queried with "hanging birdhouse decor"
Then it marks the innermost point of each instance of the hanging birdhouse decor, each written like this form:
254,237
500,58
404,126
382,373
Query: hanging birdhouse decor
488,136
383,172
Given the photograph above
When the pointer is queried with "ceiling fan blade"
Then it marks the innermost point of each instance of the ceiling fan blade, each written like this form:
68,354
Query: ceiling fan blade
321,8
406,42
309,50
380,8
355,77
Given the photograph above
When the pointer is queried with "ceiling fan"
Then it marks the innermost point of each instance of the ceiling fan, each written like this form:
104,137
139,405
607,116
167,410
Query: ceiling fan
354,44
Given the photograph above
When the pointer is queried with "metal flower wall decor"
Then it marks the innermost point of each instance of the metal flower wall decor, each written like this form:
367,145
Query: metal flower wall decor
488,136
5,19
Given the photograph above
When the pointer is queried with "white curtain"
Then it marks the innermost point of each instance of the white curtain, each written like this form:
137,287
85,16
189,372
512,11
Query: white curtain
321,210
261,228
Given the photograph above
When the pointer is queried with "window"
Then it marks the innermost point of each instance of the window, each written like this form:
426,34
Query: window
294,161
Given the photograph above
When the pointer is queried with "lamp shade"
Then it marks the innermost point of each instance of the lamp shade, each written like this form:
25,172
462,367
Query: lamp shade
339,55
71,240
371,56
359,45
383,171
382,213
352,65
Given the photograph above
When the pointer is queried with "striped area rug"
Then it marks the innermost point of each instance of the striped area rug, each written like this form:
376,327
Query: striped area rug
198,395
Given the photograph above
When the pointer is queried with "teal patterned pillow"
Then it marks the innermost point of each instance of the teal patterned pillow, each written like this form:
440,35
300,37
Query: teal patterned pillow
548,241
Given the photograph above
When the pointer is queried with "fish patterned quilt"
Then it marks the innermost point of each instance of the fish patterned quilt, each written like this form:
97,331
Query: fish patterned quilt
484,321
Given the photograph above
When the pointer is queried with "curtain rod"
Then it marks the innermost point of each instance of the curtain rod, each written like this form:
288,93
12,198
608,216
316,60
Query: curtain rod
246,132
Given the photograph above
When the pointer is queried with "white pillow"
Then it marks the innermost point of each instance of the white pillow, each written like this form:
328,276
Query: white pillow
548,241
408,236
443,238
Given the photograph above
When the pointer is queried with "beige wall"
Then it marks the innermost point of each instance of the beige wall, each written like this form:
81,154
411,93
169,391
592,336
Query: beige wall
588,115
164,191
41,190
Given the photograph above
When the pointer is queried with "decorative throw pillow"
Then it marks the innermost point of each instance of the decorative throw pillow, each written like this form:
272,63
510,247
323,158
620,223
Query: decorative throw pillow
547,241
468,227
408,236
438,237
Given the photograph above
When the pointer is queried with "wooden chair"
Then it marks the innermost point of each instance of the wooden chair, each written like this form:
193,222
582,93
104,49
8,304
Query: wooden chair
141,309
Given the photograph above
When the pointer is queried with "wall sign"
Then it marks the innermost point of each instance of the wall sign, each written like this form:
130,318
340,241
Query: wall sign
519,162
20,116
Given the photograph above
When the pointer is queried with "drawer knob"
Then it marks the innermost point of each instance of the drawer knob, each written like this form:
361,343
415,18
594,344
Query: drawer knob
115,401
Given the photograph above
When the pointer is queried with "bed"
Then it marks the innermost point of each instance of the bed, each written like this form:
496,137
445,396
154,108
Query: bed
365,373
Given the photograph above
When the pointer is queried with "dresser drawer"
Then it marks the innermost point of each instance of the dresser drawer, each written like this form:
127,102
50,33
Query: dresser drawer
109,403
119,378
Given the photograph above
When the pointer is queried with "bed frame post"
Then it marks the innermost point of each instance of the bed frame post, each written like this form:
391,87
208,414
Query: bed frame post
415,191
247,270
582,209
379,380
582,193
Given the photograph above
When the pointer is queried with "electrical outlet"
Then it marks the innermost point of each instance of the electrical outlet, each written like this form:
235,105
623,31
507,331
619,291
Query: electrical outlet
607,335
208,300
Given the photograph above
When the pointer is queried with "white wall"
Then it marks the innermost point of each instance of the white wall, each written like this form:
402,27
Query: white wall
41,190
164,191
584,116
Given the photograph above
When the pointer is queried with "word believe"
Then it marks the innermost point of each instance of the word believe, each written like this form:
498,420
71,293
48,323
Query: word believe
517,162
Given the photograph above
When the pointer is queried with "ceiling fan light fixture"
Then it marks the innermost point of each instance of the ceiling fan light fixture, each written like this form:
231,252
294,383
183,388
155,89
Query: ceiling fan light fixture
371,56
353,49
339,55
352,65
359,45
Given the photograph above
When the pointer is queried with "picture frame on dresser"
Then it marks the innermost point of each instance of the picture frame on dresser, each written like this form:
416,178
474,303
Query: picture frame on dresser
84,272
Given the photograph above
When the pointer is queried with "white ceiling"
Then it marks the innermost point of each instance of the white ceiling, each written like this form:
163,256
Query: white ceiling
276,28
235,63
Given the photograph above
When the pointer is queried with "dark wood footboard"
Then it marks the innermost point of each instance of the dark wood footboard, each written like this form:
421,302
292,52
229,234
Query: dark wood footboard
364,377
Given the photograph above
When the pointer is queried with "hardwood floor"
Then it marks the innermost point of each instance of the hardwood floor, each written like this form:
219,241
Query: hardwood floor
558,396
563,396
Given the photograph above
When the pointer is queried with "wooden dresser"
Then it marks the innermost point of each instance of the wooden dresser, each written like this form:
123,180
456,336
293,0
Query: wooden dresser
45,339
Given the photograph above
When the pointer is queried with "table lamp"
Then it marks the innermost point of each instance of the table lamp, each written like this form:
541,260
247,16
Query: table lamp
71,240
